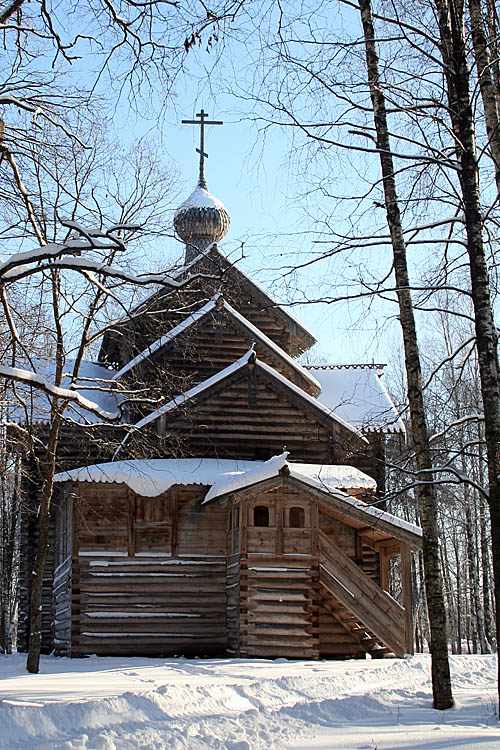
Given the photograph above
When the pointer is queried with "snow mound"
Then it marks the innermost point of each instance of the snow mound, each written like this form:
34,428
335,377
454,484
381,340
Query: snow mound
240,704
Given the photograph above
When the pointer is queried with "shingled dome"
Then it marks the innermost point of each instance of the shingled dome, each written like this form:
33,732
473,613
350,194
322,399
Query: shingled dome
201,220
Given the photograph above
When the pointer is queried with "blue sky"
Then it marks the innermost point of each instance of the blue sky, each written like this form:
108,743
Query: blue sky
262,182
259,185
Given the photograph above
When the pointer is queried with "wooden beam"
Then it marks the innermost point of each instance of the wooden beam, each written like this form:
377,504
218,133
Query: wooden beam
407,591
384,570
131,523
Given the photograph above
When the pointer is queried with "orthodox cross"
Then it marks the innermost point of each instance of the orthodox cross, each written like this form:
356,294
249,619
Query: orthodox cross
202,121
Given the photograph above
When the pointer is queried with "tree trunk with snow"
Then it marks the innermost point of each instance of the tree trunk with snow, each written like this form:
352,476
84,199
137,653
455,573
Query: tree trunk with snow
441,681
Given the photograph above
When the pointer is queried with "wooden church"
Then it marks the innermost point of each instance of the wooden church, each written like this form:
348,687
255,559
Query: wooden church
238,511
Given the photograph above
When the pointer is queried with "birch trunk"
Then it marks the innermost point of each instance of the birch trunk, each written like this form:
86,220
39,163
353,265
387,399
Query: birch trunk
453,48
486,84
492,25
441,682
459,595
485,570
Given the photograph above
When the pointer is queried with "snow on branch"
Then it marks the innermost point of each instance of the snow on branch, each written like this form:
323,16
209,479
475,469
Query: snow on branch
73,255
457,423
88,240
33,379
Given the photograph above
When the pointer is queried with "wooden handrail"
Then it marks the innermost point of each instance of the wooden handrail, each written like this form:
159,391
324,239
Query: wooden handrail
376,610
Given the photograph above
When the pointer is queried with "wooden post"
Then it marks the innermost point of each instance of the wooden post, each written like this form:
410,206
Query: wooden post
384,569
279,520
406,585
75,500
174,516
131,523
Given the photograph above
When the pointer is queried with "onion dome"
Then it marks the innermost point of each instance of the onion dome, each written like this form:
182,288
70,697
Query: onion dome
201,220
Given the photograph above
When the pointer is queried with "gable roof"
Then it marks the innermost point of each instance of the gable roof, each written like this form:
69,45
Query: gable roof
357,394
190,269
219,303
248,358
263,293
325,484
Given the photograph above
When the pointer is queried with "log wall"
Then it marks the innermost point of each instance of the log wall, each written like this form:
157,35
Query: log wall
151,573
251,418
262,575
279,577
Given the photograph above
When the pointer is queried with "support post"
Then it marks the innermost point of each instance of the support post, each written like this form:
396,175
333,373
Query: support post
407,595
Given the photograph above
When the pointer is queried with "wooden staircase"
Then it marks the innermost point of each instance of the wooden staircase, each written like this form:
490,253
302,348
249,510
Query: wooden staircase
363,640
372,617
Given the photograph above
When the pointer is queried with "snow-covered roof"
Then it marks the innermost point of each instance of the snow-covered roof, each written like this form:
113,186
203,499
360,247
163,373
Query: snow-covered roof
200,198
330,477
153,477
357,394
327,479
94,383
182,398
218,301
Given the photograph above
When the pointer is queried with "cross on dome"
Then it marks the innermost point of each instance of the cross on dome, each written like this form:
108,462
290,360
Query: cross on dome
202,121
202,219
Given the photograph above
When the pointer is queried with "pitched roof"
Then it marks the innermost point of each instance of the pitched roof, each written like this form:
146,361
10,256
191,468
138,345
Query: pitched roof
231,369
311,475
329,476
357,394
189,269
218,302
153,477
251,282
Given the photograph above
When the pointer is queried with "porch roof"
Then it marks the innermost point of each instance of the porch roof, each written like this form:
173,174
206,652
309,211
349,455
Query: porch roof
279,466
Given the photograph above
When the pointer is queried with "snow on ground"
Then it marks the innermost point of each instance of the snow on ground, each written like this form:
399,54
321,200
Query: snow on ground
241,704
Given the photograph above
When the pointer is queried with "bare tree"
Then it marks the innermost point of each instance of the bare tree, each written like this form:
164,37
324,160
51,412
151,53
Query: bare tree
441,681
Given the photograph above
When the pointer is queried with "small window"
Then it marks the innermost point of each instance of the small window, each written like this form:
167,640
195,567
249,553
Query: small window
261,515
297,518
